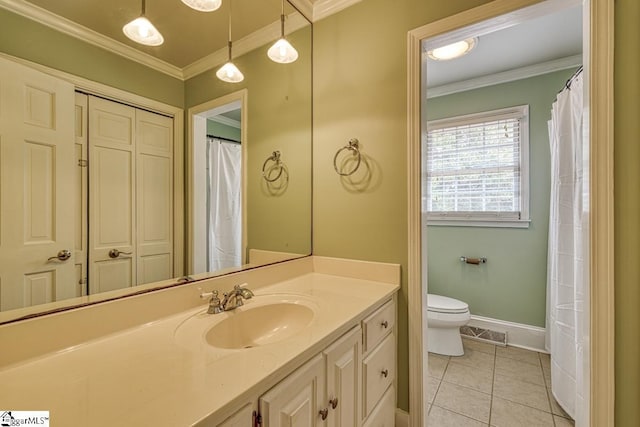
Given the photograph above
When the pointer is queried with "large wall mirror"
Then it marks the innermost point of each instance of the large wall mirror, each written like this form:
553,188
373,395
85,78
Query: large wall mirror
127,168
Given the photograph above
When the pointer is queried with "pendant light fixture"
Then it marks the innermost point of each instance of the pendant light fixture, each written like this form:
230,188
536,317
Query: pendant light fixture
203,5
142,31
229,72
282,51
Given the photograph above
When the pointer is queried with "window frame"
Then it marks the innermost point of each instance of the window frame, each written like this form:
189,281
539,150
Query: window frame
480,218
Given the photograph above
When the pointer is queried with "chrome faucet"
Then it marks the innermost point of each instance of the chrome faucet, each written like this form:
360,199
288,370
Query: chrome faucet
230,300
234,298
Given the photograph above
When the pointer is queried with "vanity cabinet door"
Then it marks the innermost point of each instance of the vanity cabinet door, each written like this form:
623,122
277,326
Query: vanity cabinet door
343,380
298,400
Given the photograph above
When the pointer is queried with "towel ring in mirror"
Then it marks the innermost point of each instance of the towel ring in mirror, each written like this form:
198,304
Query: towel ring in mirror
354,147
275,158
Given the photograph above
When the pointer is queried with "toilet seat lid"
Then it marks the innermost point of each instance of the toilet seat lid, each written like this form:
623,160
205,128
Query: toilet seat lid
441,304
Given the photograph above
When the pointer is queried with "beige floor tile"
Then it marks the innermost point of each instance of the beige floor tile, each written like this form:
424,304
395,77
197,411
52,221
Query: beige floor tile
510,414
563,422
519,354
432,388
522,371
437,365
464,401
545,360
521,392
477,378
479,346
556,409
476,358
440,417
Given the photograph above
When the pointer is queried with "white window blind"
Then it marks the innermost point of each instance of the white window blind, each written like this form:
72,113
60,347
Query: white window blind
476,167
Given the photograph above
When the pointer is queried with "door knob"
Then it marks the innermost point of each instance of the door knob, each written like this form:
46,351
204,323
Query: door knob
63,255
324,413
114,253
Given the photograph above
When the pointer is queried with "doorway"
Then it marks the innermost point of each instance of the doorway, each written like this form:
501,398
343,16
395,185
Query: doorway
503,14
217,180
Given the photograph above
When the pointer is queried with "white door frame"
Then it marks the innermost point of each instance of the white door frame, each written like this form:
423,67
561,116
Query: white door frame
598,61
234,97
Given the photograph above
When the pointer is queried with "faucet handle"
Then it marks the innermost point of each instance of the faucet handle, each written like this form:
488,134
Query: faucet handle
245,292
212,294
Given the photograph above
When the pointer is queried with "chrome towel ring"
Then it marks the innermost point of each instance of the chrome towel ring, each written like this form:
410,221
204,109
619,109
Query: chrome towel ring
275,158
355,150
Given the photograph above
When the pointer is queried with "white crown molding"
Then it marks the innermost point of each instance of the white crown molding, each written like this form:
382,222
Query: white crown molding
305,7
78,31
246,44
506,76
324,8
225,121
312,9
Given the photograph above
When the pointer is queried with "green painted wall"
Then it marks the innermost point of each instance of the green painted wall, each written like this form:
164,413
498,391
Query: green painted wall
29,40
223,131
626,208
512,285
278,118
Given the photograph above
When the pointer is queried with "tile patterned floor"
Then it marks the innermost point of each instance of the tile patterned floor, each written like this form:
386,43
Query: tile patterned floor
492,386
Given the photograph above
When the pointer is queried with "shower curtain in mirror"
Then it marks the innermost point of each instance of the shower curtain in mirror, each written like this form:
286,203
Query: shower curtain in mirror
224,204
567,284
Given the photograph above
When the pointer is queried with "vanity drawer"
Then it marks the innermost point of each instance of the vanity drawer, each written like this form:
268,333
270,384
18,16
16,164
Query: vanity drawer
378,372
378,325
384,414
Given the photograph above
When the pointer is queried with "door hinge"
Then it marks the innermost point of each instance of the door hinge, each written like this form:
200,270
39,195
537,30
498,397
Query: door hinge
257,419
83,163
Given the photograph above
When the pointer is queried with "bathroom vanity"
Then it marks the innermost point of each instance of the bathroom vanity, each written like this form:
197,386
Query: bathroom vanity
316,345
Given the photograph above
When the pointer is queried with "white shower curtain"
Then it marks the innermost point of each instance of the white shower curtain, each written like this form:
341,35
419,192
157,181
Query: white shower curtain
224,205
567,284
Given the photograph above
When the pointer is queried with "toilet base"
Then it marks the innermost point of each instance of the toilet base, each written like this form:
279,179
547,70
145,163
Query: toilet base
445,341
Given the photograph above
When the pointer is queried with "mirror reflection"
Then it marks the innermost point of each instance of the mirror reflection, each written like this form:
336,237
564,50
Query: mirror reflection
167,179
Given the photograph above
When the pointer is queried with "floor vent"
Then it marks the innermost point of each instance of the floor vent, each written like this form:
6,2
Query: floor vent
484,335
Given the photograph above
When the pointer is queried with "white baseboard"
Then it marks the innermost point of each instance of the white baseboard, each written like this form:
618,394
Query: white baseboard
402,418
518,334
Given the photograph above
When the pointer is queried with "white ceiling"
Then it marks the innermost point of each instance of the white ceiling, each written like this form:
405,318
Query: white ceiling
535,41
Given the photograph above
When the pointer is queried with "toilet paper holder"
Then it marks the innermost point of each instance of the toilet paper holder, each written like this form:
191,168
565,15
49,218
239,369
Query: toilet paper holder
474,261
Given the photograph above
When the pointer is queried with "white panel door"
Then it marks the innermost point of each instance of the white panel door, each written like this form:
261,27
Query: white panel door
154,188
112,195
298,400
36,187
343,380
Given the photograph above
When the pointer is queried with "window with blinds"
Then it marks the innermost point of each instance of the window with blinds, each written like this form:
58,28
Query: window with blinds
476,167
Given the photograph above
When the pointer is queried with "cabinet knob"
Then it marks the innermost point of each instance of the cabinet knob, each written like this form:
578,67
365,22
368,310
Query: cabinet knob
334,403
385,373
324,413
384,324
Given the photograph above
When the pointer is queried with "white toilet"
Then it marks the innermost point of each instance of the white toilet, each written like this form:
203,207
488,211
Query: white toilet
444,317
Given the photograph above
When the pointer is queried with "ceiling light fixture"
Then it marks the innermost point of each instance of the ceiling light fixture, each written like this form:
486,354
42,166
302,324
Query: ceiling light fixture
453,50
229,72
142,31
203,5
282,51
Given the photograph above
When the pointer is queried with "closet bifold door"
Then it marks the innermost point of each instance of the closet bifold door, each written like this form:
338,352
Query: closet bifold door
112,195
154,188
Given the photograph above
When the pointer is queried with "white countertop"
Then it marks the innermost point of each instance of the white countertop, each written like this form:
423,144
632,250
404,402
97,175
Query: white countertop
144,377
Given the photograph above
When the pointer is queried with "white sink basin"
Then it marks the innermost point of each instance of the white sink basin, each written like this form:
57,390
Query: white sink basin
262,320
259,325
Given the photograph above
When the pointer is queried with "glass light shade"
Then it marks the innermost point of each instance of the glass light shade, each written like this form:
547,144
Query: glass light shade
203,5
230,73
282,52
142,31
453,50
